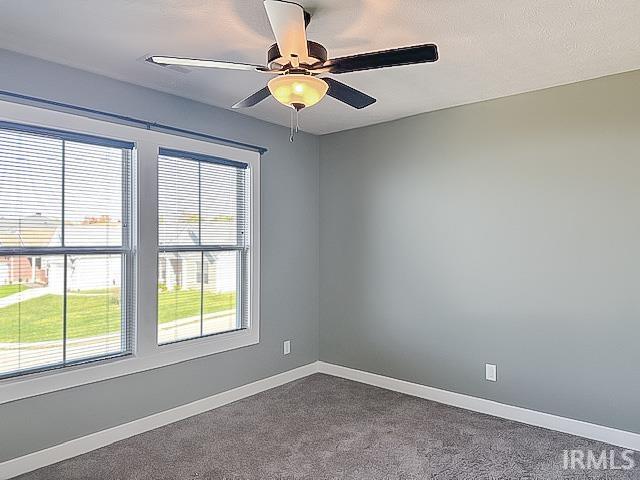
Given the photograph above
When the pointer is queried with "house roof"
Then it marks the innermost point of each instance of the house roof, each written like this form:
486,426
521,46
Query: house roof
30,231
39,231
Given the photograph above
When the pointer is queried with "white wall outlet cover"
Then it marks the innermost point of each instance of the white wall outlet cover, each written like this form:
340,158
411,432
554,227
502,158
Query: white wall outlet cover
286,347
491,372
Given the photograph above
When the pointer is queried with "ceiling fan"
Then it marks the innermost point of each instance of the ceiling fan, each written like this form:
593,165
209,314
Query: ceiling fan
298,64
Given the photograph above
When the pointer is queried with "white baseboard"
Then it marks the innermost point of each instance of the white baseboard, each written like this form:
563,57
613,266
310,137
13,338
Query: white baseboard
78,446
601,433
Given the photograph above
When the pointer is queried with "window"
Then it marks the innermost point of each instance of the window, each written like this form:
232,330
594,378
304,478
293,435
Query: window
81,275
65,249
203,260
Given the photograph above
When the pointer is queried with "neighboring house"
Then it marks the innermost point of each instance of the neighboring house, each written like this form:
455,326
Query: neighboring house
94,272
88,271
84,272
183,270
177,270
32,231
22,270
5,272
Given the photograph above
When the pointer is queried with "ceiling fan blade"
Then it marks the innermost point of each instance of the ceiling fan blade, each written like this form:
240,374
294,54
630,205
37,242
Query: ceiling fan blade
348,95
197,62
254,99
288,24
382,59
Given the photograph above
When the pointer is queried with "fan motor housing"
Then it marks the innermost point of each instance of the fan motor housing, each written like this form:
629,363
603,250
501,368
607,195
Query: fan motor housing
317,54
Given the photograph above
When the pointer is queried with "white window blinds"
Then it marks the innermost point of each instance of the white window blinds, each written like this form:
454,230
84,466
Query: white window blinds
65,249
204,244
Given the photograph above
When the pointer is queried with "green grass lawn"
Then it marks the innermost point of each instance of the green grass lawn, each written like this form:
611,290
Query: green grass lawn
6,290
96,313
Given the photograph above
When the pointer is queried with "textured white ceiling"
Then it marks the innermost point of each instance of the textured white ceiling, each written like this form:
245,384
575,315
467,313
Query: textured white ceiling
488,48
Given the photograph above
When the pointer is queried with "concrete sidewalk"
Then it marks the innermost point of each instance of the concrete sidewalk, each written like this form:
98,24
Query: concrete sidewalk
18,356
28,294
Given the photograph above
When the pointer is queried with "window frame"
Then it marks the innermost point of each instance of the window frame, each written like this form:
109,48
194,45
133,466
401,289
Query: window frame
125,250
243,251
147,354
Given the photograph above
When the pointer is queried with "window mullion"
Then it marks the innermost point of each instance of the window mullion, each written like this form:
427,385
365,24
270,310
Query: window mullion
62,213
64,309
198,248
146,165
64,261
240,240
200,203
202,251
41,251
126,265
201,292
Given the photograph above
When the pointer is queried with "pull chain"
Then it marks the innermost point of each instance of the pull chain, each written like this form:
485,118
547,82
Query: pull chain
295,123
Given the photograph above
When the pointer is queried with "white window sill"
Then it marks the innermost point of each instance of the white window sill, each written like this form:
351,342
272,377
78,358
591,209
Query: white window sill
12,389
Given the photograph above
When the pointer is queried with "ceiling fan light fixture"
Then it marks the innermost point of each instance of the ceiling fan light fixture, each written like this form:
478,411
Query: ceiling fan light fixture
298,90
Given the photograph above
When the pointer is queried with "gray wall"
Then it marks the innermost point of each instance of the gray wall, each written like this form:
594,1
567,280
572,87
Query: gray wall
501,232
289,267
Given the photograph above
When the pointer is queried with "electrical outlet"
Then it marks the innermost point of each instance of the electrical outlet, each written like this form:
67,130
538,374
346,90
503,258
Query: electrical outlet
286,347
491,372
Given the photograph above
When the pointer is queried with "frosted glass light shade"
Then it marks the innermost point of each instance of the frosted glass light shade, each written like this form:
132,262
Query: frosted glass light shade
298,91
